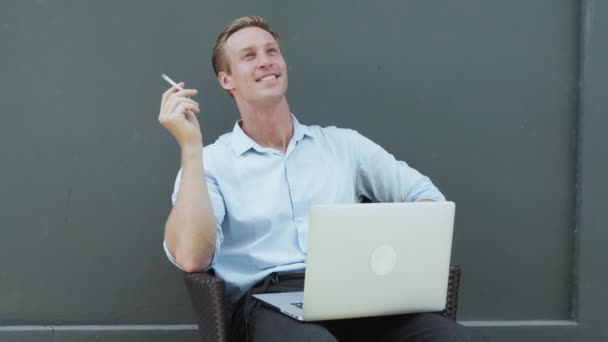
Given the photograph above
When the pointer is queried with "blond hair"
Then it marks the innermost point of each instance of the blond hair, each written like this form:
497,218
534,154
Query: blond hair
218,57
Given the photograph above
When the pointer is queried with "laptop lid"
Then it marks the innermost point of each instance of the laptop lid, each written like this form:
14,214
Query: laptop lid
377,259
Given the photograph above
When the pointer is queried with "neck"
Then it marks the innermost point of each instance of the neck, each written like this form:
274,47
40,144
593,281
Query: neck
269,125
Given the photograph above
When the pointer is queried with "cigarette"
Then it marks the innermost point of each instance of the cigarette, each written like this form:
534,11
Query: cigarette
171,81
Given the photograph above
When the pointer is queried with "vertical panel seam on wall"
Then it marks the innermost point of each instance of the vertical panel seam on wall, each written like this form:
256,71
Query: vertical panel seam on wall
586,11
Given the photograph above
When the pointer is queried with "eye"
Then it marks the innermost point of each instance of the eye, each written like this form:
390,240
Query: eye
272,51
249,55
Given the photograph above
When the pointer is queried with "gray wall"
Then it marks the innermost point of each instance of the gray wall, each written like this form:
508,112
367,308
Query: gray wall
500,102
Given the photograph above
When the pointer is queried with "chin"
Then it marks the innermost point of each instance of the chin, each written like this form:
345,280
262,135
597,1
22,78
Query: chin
270,95
268,98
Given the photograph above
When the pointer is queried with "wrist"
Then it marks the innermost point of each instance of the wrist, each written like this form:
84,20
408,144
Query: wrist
192,151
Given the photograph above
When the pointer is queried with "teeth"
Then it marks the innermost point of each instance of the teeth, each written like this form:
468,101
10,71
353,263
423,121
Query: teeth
269,77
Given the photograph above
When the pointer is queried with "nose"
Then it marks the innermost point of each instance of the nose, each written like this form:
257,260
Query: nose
265,61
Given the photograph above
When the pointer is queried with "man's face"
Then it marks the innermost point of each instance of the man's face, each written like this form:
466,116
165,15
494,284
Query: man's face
258,70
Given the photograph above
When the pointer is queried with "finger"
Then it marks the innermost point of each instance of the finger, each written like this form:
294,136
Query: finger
176,102
172,103
185,93
166,98
190,116
167,107
194,110
183,107
172,90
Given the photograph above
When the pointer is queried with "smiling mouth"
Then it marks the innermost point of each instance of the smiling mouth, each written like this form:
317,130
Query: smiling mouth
268,78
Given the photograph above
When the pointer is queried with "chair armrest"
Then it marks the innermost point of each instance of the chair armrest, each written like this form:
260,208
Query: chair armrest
451,305
208,297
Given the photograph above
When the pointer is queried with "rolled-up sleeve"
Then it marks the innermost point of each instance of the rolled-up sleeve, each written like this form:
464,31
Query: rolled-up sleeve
382,178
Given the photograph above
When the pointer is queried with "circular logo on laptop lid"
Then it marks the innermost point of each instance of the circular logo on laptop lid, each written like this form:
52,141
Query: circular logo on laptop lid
383,260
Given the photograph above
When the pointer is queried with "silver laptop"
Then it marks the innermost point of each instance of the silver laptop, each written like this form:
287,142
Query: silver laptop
371,260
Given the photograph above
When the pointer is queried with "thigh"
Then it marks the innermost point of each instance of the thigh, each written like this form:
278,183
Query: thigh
407,328
264,324
428,327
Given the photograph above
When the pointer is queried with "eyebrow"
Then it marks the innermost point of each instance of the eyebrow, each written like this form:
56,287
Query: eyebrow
249,48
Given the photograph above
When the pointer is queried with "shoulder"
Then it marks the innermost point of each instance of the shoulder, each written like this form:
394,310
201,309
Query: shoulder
340,143
334,134
220,144
219,152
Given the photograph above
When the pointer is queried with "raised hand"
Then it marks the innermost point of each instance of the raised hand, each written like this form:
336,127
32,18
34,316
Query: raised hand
178,115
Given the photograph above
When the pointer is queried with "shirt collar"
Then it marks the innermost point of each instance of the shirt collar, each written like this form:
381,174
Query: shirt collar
242,143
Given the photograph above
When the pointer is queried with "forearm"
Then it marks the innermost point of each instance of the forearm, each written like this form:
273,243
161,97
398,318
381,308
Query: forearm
190,232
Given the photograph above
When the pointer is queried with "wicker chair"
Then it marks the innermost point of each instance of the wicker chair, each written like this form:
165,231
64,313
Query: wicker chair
212,309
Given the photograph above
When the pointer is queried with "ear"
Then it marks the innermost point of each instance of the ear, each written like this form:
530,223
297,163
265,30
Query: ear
225,80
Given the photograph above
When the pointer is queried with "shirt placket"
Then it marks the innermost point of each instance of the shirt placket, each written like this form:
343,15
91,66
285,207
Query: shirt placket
298,205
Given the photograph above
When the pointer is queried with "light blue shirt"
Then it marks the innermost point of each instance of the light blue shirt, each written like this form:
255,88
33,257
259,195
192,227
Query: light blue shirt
261,196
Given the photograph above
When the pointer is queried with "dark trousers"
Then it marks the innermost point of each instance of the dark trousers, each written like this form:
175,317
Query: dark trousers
254,322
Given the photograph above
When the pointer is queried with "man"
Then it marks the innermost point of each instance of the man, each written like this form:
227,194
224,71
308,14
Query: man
241,204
